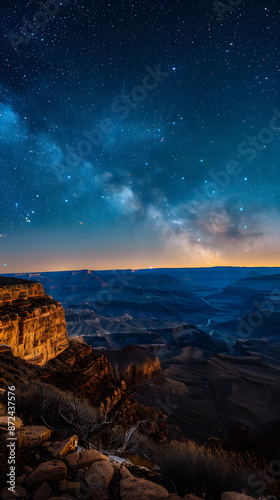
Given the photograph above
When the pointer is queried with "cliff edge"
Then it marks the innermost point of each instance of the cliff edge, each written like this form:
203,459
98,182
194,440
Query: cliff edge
31,322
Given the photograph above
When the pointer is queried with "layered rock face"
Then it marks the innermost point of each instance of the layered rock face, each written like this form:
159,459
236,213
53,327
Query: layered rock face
133,365
12,289
31,322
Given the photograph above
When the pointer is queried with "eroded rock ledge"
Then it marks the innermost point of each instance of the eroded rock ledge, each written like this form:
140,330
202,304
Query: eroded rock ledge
12,289
31,322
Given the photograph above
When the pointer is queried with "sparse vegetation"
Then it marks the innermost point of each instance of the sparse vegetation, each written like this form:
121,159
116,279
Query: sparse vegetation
39,403
198,469
186,467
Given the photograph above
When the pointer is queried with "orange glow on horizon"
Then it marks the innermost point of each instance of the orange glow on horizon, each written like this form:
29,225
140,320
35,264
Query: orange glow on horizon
49,256
102,263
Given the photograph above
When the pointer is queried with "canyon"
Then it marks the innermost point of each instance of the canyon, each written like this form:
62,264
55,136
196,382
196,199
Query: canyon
157,371
34,345
190,320
172,337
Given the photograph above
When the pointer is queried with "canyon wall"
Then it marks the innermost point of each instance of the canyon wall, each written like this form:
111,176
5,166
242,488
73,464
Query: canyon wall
31,322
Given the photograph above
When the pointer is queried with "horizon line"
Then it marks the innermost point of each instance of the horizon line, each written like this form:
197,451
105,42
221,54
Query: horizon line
138,269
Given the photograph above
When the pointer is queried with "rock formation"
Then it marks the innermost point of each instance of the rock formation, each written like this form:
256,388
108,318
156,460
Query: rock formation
84,474
31,322
87,474
90,375
12,289
133,365
33,330
86,374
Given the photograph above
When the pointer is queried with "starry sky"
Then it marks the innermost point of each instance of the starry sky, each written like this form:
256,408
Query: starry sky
139,134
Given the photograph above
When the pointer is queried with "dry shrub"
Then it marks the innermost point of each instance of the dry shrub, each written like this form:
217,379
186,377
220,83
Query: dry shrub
198,469
39,403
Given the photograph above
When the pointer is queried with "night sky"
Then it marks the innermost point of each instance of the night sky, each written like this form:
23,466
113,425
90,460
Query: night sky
139,134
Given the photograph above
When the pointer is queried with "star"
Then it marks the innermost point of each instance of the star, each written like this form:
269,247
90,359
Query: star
87,106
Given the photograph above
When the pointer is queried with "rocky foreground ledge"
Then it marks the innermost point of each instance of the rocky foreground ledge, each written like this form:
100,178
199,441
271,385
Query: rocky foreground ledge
56,470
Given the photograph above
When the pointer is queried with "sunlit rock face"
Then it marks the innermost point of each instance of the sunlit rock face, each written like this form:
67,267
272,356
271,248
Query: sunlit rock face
12,289
31,322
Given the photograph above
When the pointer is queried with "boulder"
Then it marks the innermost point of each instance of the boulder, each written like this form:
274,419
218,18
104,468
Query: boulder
72,488
61,449
6,420
141,489
87,457
99,473
53,470
20,492
124,471
34,435
46,444
43,492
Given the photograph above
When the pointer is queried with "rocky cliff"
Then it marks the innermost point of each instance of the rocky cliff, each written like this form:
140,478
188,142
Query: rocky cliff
13,289
88,375
134,365
31,322
33,332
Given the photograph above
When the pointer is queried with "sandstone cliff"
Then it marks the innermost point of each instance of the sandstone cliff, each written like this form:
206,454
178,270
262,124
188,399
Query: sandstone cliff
31,322
12,289
133,365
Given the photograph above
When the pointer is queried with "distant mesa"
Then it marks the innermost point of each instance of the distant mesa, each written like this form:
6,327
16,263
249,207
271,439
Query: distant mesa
133,365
